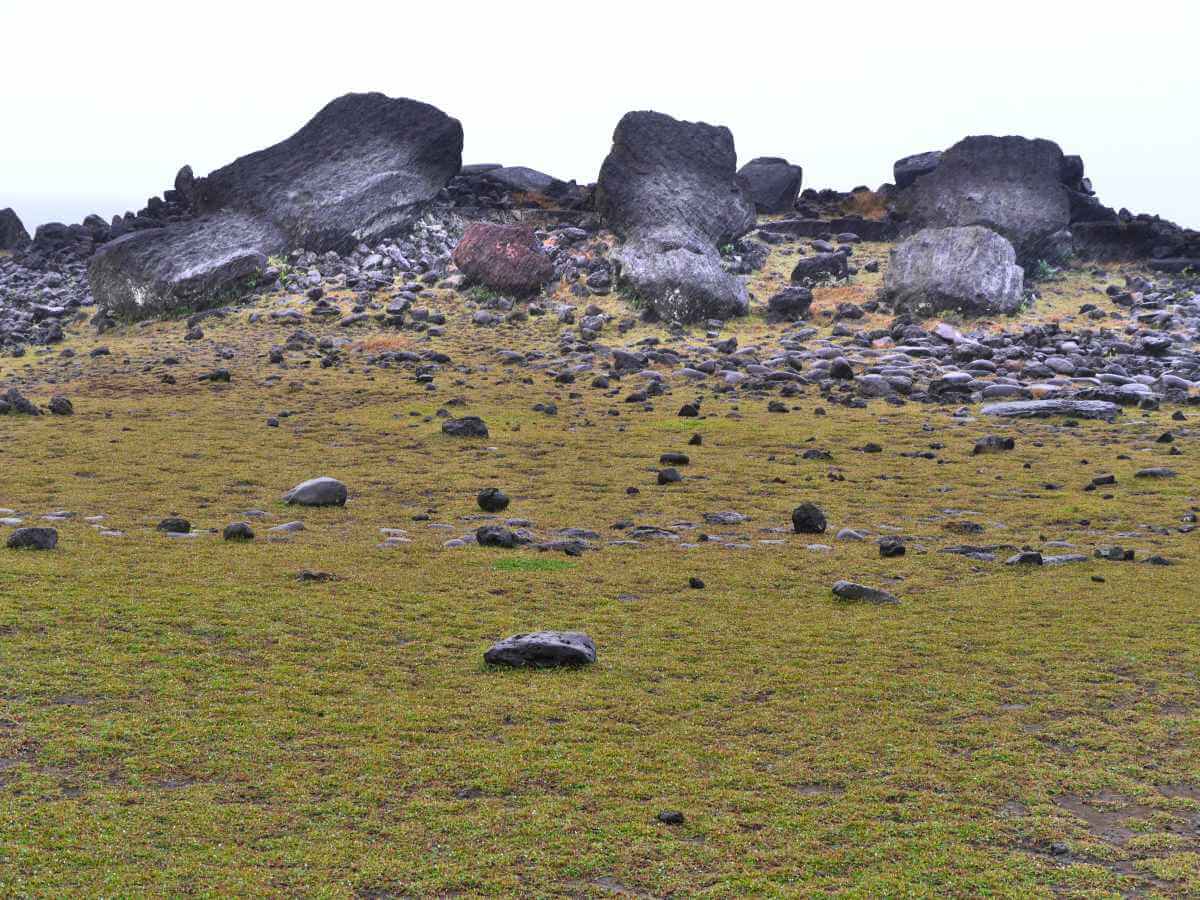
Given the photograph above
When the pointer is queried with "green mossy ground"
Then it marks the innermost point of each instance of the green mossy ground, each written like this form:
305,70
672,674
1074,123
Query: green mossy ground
185,717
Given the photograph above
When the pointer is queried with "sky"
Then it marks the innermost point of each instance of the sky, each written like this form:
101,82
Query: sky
102,103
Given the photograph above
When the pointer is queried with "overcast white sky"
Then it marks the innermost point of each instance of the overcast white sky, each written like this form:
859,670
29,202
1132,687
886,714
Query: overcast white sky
102,102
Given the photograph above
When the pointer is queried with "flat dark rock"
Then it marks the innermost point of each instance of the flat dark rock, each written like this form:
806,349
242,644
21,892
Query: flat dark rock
33,539
467,426
849,590
322,491
184,267
1042,409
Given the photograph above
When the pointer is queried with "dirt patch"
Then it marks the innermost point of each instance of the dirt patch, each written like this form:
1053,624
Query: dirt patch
1181,789
813,789
1110,825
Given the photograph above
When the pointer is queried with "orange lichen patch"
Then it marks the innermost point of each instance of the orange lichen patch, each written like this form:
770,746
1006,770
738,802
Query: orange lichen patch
383,343
868,204
526,198
842,293
827,299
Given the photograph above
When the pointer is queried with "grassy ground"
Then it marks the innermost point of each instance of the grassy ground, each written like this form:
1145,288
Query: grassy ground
183,716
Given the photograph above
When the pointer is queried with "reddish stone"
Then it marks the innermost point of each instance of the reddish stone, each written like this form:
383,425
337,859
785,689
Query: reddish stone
507,258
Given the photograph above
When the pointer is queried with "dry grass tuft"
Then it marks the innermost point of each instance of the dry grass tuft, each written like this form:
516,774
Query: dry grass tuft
527,199
867,204
383,343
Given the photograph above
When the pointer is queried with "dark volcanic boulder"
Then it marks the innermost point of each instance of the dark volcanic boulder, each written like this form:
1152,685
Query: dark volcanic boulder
807,518
467,426
669,190
906,171
363,169
12,232
1011,185
820,267
1141,238
1088,208
33,539
185,267
13,401
791,303
524,180
969,270
771,183
492,500
506,258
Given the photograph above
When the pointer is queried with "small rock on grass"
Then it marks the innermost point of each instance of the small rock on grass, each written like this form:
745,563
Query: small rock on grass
467,426
238,531
543,649
807,518
1025,558
1155,472
174,525
492,500
308,575
322,491
849,590
33,539
993,444
495,536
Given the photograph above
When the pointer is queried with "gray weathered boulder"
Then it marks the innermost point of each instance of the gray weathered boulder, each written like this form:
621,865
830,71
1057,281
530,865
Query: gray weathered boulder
771,183
184,267
363,169
1042,409
33,539
970,270
322,491
669,190
543,649
1012,185
12,232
